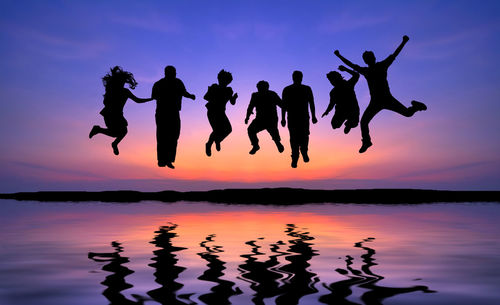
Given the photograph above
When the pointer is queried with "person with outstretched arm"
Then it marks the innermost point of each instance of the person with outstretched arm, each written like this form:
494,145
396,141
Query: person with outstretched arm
380,95
343,98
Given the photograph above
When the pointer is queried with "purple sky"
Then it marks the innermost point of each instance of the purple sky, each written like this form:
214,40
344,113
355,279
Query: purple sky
55,53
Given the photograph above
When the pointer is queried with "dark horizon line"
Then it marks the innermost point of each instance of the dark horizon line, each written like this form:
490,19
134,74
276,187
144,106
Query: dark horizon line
272,196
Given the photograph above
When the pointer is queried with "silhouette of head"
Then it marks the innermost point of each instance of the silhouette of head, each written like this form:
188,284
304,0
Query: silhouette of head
369,58
334,77
297,77
170,72
262,86
116,77
224,78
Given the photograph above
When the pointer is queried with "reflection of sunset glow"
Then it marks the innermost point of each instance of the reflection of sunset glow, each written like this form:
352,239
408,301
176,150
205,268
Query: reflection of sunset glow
399,243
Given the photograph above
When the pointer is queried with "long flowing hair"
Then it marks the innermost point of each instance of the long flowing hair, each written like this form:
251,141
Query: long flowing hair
117,76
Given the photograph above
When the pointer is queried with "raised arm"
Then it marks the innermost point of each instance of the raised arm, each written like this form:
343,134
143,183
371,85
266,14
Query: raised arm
400,47
347,62
355,75
392,57
136,99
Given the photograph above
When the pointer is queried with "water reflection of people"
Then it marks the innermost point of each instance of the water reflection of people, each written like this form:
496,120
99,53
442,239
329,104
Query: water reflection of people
262,276
167,270
366,279
115,282
300,281
221,292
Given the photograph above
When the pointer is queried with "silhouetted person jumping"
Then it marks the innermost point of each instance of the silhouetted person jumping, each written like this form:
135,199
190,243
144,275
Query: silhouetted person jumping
266,118
168,93
115,97
296,100
343,97
217,96
381,97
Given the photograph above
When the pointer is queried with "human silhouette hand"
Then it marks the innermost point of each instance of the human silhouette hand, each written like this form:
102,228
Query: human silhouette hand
324,114
336,52
246,120
406,38
192,96
314,120
342,68
283,122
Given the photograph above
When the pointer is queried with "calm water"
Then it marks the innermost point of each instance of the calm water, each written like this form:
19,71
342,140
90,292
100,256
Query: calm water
200,253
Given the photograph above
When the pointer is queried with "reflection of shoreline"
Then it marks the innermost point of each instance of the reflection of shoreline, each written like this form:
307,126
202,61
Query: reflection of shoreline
285,280
278,196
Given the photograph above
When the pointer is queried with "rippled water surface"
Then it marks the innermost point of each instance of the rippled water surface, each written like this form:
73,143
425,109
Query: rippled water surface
201,253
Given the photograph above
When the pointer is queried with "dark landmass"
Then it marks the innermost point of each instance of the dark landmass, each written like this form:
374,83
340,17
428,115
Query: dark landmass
275,196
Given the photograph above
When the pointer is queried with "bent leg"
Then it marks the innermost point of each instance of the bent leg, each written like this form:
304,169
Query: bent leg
394,105
254,128
225,128
337,120
272,129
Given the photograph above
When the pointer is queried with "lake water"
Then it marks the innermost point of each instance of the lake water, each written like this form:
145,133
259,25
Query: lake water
201,253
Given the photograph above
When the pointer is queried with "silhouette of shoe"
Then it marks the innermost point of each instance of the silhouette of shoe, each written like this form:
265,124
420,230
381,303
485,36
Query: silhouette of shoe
254,149
93,131
418,106
169,164
347,129
115,148
280,147
305,157
208,149
217,146
162,164
365,146
294,163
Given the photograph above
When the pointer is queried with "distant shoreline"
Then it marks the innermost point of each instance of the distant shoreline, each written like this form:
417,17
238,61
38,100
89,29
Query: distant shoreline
273,196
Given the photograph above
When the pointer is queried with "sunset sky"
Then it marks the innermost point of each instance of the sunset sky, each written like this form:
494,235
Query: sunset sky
54,54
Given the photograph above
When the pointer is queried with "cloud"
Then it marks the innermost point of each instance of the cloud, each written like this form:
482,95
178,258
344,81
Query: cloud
153,22
56,46
44,171
262,31
458,170
348,22
459,42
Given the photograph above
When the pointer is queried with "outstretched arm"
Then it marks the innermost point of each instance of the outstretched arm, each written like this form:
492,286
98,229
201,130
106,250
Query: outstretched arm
400,47
185,93
189,95
392,57
355,75
346,61
137,99
329,108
